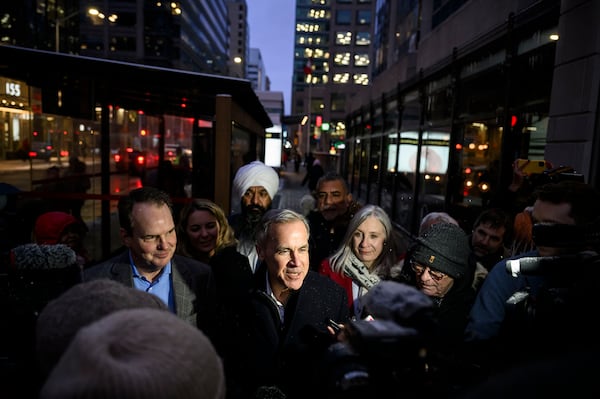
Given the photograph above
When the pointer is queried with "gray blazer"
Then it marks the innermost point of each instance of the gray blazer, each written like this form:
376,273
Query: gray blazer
192,282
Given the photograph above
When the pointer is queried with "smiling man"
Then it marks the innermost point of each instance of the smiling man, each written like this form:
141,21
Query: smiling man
283,330
149,263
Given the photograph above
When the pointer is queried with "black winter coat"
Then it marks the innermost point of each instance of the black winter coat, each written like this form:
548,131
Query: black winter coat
286,355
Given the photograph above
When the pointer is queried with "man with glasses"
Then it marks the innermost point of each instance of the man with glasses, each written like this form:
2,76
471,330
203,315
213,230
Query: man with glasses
440,263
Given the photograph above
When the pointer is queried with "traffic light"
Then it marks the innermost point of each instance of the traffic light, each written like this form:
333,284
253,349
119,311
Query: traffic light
319,120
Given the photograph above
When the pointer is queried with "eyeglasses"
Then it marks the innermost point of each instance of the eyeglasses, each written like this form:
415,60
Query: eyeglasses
420,269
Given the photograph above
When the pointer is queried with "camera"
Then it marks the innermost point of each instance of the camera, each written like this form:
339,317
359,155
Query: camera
559,299
379,355
554,175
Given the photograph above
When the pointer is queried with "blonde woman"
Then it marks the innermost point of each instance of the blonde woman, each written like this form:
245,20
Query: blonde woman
203,230
204,233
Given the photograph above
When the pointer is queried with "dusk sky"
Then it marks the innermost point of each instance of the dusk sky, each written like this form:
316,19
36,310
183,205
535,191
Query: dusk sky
272,31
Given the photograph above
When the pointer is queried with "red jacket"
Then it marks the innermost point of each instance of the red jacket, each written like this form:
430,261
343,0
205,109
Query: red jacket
341,279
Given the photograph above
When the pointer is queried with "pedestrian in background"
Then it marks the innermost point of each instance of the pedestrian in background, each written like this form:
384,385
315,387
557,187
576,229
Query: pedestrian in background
77,183
313,174
62,228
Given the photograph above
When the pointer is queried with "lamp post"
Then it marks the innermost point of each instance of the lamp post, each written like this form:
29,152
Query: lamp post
309,122
94,12
106,19
60,21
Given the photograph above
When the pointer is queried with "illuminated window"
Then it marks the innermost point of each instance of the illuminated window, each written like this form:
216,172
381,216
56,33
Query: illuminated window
341,78
363,38
361,60
343,38
342,59
317,14
361,79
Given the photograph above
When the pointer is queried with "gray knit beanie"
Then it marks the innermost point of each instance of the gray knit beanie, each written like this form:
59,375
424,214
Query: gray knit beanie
79,306
138,353
443,247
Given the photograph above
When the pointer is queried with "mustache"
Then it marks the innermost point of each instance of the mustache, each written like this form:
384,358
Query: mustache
253,210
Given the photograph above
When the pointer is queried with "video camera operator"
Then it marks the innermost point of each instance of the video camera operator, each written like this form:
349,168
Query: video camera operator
385,352
519,314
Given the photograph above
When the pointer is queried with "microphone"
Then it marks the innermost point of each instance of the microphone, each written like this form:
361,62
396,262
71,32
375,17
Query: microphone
539,265
42,257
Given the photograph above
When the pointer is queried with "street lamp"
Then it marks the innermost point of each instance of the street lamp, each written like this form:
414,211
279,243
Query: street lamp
309,133
60,21
94,12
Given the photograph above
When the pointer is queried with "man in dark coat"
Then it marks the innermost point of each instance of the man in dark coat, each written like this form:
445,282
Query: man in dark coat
329,221
283,331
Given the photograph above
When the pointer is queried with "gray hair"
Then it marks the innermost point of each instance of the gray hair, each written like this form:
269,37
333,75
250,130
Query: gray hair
277,216
344,252
433,218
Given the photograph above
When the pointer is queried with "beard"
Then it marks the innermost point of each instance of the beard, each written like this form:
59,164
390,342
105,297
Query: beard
251,217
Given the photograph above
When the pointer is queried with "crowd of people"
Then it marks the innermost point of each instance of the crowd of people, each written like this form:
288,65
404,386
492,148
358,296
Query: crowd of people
270,303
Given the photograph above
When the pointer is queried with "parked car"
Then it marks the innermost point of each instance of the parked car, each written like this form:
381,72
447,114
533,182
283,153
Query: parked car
135,162
41,150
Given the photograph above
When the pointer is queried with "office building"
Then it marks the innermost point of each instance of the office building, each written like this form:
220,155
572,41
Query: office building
332,63
239,38
188,34
460,89
256,72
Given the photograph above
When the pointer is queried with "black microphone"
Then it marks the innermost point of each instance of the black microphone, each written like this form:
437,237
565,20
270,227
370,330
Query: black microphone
539,265
42,257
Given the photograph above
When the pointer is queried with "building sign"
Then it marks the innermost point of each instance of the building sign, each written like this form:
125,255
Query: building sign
13,94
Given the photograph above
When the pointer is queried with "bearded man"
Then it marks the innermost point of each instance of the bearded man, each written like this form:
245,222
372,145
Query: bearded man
256,184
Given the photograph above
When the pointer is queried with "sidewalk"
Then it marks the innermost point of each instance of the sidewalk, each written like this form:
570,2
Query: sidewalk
291,190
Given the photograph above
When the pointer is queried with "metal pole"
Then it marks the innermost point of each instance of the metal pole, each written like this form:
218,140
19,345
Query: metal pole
60,21
57,35
309,115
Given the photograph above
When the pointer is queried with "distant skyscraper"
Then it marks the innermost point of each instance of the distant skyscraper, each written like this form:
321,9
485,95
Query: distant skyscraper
335,38
188,34
239,38
256,71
